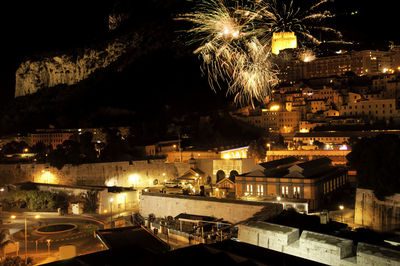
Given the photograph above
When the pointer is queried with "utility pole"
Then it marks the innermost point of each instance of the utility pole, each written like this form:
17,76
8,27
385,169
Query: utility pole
179,146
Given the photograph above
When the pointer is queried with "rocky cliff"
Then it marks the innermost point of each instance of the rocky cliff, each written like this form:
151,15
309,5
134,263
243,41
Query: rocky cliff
33,75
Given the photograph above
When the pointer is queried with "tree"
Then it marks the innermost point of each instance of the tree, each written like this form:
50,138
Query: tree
16,261
90,201
15,147
87,147
258,149
377,162
41,150
319,144
117,147
57,157
40,200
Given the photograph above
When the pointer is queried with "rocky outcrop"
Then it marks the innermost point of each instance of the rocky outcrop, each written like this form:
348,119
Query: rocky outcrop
33,75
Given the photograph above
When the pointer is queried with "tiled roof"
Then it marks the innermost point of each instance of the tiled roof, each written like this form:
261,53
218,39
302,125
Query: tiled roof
280,162
311,169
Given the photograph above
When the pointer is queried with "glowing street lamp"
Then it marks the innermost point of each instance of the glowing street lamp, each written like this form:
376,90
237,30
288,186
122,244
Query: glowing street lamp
26,235
341,207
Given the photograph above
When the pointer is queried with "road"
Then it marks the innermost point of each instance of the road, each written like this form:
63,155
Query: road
37,244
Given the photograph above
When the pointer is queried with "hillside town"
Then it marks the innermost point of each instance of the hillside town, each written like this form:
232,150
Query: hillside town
201,132
300,164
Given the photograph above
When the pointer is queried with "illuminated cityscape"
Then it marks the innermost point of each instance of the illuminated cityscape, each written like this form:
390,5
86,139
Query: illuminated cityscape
213,132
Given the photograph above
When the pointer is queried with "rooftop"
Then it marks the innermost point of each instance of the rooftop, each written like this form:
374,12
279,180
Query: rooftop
278,163
356,134
137,237
310,169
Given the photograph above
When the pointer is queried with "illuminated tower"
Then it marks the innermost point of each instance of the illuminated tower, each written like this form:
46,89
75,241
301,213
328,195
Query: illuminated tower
283,40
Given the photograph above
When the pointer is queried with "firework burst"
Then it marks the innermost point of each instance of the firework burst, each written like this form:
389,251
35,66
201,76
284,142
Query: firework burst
306,55
285,16
233,39
254,75
230,52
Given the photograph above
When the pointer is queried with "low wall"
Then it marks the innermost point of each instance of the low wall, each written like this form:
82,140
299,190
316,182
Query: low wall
234,211
313,246
96,174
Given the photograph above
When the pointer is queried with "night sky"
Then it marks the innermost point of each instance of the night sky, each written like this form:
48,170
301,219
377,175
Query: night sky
32,28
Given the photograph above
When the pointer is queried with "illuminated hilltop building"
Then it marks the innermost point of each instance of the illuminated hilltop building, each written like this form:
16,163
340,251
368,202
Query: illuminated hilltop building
283,40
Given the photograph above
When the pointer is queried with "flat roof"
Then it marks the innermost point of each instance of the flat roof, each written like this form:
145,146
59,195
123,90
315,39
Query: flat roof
133,236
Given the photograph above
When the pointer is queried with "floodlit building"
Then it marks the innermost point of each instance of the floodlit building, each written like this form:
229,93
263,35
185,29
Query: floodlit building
236,153
274,119
288,178
52,137
380,109
366,62
283,40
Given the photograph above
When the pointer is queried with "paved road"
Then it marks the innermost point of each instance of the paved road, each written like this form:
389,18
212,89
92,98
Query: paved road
83,238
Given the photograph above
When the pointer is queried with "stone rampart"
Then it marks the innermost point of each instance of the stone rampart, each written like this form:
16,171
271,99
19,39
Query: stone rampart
126,174
327,249
163,205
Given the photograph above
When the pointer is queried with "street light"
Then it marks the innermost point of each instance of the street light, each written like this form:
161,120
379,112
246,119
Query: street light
111,203
26,235
341,207
48,246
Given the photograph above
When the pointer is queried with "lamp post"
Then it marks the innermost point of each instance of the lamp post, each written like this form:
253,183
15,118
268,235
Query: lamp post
341,207
25,235
111,203
48,246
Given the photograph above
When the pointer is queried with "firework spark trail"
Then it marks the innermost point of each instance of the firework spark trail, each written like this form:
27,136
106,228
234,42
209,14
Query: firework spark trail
229,50
255,74
233,39
306,55
280,16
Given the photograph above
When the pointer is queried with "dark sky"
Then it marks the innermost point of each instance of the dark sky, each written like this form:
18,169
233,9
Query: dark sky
32,27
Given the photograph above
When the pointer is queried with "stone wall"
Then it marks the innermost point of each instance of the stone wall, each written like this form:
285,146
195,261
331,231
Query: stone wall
313,246
376,214
33,75
125,174
268,235
162,205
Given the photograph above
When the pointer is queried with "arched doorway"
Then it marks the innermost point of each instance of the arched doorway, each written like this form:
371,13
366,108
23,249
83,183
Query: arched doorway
220,175
232,175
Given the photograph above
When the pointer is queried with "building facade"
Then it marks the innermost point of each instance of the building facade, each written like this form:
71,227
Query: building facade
310,180
374,109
